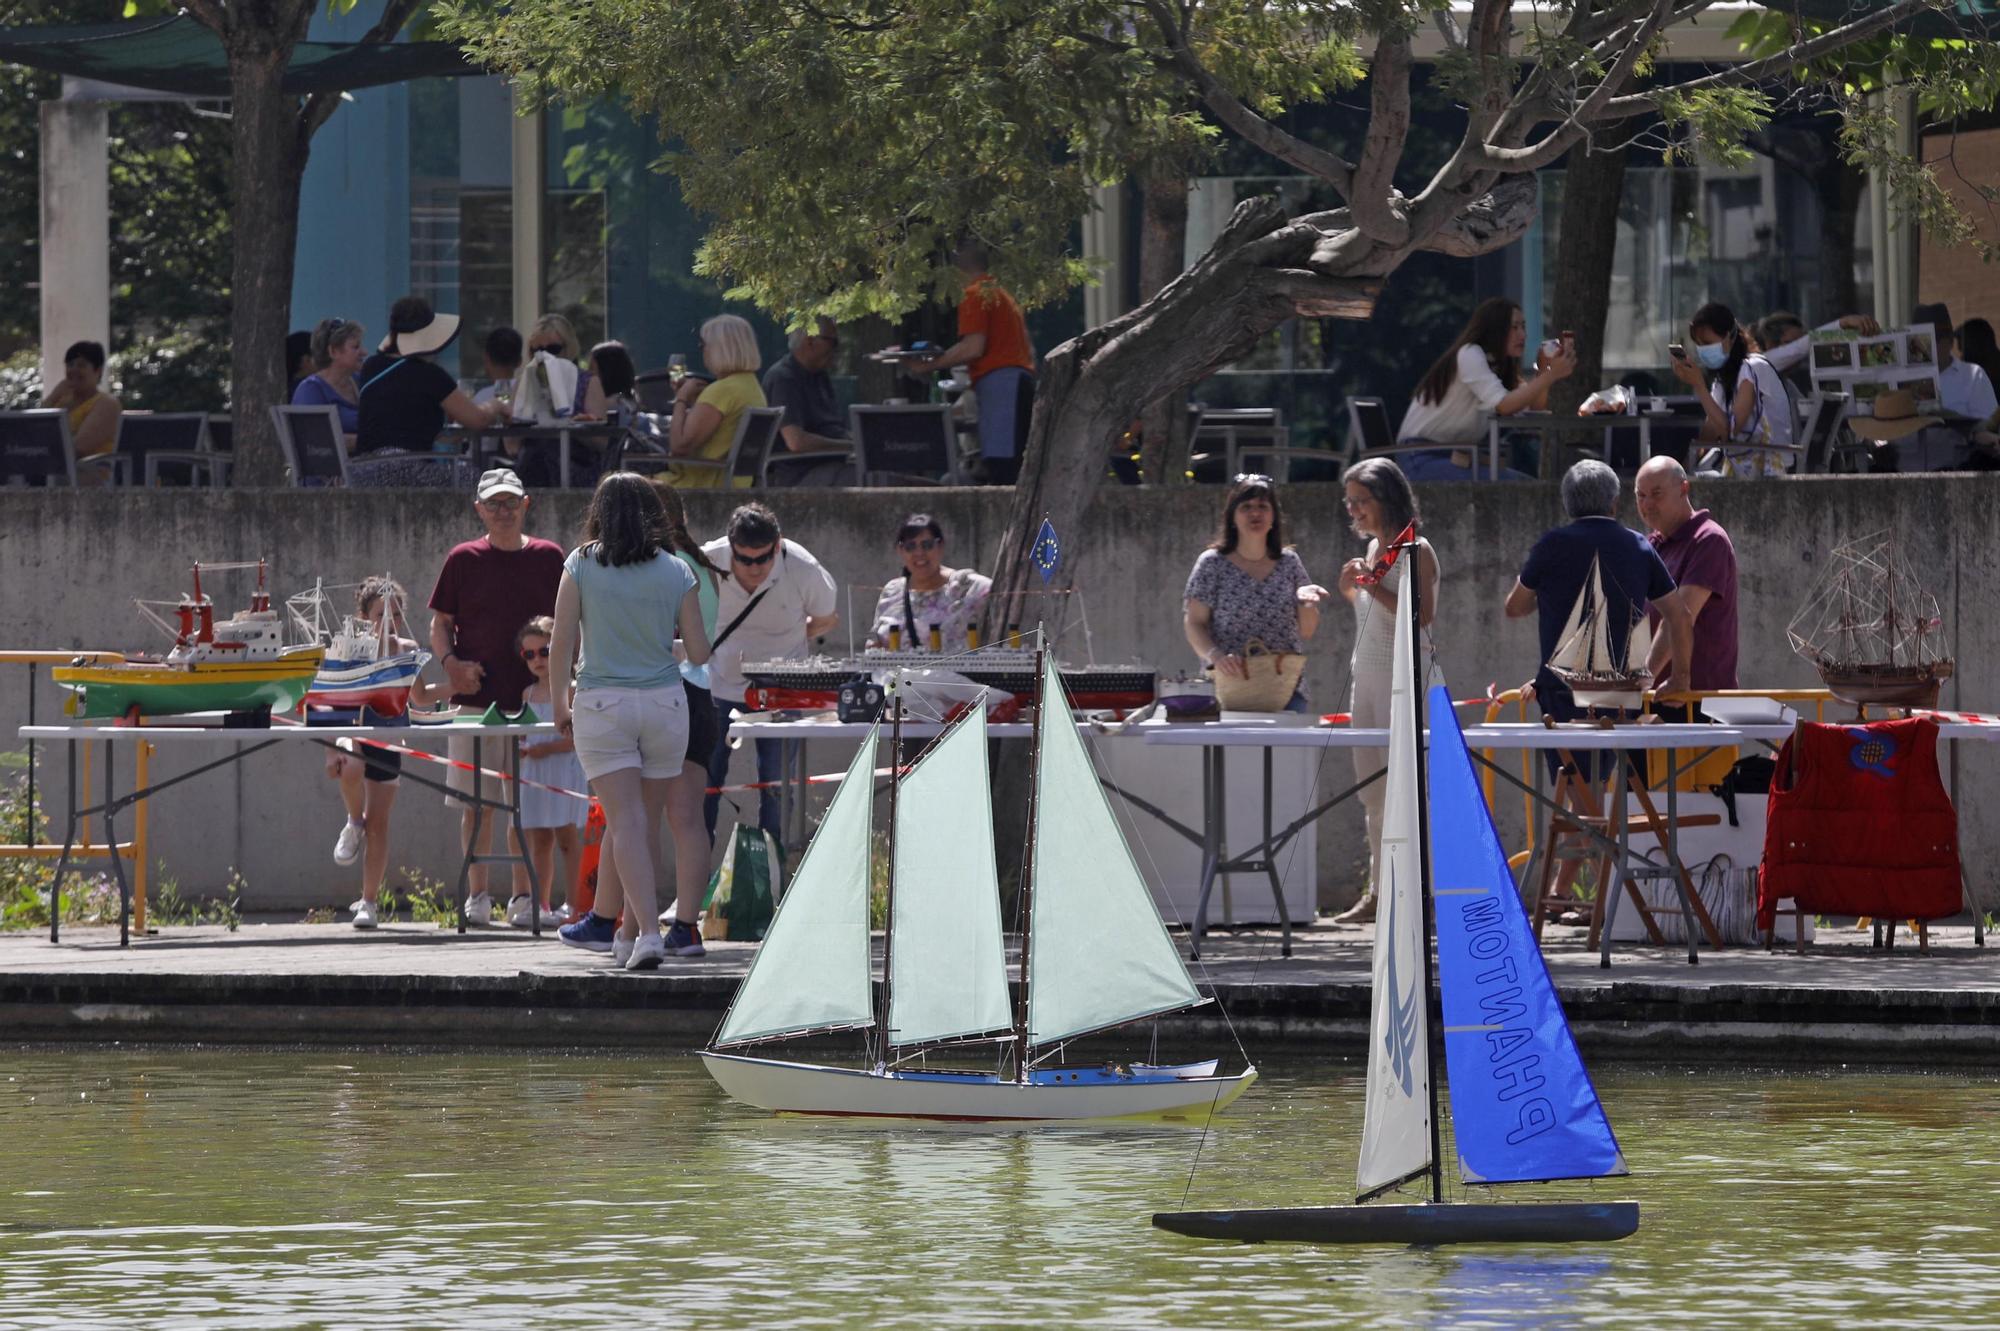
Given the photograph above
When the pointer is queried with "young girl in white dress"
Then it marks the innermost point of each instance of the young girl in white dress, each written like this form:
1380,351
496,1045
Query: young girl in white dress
550,821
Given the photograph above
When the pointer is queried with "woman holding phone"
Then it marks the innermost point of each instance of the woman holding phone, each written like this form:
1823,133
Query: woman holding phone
1479,376
1745,407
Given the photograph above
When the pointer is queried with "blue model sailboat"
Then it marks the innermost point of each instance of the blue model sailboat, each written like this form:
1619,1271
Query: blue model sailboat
1523,1107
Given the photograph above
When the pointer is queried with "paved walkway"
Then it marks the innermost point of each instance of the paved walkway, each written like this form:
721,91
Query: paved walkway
408,983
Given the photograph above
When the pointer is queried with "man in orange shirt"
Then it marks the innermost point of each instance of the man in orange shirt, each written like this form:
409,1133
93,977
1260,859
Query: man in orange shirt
993,343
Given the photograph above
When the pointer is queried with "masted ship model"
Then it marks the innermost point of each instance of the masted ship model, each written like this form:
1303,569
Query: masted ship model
1873,632
1603,668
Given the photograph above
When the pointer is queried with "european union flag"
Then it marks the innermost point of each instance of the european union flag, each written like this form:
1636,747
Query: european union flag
1047,555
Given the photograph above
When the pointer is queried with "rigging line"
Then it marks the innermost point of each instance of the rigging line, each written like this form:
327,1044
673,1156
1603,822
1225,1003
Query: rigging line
1201,1141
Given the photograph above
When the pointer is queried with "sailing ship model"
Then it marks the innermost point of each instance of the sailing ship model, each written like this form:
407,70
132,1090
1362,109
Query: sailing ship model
240,664
363,667
1094,954
1522,1106
1597,671
1871,630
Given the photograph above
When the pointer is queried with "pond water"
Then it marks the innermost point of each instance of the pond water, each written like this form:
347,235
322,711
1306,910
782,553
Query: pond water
258,1190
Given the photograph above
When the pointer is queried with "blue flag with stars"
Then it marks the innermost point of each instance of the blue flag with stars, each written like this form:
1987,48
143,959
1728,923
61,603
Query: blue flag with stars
1047,555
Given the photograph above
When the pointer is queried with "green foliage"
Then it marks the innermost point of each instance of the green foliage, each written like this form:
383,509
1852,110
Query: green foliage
180,371
429,900
24,883
166,907
1716,120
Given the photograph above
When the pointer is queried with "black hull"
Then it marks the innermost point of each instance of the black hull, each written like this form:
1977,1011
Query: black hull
1470,1222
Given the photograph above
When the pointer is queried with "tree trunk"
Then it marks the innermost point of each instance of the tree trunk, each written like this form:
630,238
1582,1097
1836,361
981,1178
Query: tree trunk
1592,188
1164,429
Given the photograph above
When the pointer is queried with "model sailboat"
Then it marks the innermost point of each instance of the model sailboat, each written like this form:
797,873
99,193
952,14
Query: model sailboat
1094,954
1597,672
1873,632
1523,1108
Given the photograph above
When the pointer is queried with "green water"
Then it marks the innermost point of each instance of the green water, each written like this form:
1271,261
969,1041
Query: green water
240,1190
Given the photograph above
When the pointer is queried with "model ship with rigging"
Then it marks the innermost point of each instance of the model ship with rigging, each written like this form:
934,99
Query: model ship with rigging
1602,668
1873,632
815,682
363,666
947,1042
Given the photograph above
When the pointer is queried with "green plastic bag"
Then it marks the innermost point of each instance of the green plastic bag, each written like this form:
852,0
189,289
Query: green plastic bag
743,892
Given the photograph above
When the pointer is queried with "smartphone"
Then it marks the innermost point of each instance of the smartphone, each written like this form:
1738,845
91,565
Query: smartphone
1677,351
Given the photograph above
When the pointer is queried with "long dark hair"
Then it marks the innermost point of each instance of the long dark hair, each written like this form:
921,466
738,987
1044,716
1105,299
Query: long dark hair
615,371
1719,319
1250,487
1490,328
677,527
1976,346
627,523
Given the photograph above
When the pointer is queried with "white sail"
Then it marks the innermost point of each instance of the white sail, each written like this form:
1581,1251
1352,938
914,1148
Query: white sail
1573,643
948,963
1098,954
1600,622
1639,642
1396,1130
813,971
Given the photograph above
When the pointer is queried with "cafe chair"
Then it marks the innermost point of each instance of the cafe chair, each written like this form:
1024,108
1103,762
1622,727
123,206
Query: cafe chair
1217,437
314,447
903,444
742,467
150,440
36,449
1825,423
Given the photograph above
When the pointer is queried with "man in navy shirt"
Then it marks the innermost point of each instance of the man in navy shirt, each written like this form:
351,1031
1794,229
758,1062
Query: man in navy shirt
1558,569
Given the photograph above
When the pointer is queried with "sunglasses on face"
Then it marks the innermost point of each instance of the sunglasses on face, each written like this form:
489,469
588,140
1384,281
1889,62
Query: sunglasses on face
535,653
924,543
752,561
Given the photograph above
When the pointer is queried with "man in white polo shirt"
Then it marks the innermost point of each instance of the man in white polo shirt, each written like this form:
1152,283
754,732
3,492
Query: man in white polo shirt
775,601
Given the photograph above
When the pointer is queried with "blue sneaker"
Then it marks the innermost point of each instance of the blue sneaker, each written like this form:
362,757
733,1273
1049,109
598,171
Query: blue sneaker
592,933
684,940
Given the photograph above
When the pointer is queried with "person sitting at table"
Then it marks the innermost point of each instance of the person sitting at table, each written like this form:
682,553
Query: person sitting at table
406,397
929,598
1701,559
614,374
1380,504
1965,395
800,384
1478,376
1745,408
706,413
500,361
557,336
1249,584
338,353
298,358
93,413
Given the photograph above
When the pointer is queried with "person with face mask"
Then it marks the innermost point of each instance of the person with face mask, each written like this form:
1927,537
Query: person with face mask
1746,408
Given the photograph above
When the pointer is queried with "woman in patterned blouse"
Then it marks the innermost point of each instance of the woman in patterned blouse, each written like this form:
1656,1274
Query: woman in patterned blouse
1250,584
928,597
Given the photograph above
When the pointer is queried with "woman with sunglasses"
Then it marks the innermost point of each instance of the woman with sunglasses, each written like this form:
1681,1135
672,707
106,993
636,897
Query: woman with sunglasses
930,608
1249,585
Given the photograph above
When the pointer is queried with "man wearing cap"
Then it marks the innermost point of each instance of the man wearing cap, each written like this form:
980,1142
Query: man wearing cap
1702,561
405,394
487,590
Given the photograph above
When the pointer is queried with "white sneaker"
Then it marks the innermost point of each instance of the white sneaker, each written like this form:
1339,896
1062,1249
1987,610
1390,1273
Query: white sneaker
364,914
347,849
647,953
621,951
479,909
518,909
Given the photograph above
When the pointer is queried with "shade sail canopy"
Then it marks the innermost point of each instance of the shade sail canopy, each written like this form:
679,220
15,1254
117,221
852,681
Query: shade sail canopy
178,55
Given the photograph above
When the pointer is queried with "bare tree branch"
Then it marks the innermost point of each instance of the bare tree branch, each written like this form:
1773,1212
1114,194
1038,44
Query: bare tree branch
320,106
1373,196
1251,127
1558,141
210,14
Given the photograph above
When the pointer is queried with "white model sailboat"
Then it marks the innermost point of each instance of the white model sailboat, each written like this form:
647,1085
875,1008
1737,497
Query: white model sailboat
1598,674
1523,1108
1094,953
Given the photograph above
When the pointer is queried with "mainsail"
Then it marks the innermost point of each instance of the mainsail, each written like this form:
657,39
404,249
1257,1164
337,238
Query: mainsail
1396,1129
1523,1108
948,964
1098,954
812,972
1585,646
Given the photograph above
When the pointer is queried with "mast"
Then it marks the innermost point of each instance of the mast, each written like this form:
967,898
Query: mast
1028,862
889,892
1433,1020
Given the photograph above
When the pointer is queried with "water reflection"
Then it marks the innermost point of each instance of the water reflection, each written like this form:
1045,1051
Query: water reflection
225,1190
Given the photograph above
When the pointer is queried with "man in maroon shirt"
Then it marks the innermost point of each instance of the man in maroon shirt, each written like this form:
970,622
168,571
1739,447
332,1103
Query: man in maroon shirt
1698,552
487,590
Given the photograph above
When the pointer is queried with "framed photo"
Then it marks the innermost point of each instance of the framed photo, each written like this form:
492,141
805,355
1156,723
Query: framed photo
1879,353
1920,348
1832,355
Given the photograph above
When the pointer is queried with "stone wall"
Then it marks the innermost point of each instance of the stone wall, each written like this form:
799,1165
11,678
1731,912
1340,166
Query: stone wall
74,561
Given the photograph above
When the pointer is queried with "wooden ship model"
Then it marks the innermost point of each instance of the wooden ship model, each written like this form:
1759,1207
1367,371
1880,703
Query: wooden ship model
1873,632
1601,672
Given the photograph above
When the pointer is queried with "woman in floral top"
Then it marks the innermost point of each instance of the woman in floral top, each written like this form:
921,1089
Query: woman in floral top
1250,584
928,595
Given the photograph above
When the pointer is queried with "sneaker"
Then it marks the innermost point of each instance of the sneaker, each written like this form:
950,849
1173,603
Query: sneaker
347,848
364,914
520,913
592,933
479,909
647,954
684,940
621,950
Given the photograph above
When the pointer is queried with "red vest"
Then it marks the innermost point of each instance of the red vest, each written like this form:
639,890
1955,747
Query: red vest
1865,829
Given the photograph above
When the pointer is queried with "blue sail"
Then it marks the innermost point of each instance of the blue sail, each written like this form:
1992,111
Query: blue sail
1522,1107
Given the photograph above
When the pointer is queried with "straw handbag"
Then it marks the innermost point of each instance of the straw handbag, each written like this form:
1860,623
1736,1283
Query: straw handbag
1273,677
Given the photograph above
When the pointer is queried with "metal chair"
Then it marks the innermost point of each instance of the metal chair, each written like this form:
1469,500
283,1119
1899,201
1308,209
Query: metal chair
1825,418
314,447
749,450
35,447
904,444
1217,435
146,439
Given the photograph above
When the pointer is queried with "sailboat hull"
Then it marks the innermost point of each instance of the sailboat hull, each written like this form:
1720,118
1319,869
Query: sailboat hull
1189,1094
1472,1222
